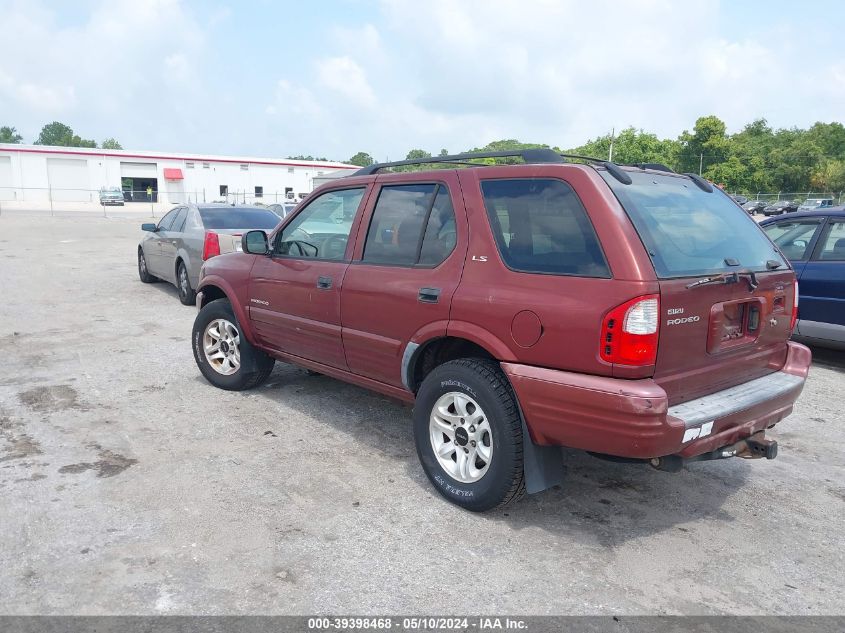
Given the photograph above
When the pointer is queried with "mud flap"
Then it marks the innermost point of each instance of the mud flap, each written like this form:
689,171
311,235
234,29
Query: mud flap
543,465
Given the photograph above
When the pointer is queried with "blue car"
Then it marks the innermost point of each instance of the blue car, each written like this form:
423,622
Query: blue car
814,243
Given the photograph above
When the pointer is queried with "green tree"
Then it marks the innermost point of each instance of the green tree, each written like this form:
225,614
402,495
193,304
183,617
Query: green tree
111,143
56,133
9,135
362,159
632,146
707,144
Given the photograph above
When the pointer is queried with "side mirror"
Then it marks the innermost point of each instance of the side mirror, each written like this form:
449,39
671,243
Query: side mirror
149,226
254,242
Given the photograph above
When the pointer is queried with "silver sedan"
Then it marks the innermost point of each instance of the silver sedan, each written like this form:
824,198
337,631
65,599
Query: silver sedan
174,249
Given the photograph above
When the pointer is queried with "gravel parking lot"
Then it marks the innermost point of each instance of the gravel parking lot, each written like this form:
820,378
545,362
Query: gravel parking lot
130,485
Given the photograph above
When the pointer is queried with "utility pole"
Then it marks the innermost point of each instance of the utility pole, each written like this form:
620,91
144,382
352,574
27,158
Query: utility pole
700,163
610,153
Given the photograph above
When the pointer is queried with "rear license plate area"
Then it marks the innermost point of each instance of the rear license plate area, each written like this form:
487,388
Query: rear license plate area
734,324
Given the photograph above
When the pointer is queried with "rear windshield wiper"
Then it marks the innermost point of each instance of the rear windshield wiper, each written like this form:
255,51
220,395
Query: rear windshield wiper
728,278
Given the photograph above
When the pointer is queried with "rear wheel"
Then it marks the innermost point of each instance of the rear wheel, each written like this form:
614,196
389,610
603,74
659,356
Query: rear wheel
225,358
186,294
143,273
469,434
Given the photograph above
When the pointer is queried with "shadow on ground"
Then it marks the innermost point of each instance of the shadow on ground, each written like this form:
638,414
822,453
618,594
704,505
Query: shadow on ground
605,502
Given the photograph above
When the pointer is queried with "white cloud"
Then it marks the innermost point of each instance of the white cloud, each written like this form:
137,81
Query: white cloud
344,77
453,74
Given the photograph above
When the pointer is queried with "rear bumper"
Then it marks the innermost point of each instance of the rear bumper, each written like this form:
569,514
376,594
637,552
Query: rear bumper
631,418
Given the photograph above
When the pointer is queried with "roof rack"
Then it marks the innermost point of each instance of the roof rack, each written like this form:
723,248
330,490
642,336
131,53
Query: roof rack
612,168
534,155
531,156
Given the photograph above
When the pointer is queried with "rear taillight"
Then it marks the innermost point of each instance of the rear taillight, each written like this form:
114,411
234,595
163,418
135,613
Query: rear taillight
794,319
629,332
211,246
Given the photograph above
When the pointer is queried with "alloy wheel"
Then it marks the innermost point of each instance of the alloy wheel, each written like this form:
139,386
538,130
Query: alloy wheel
461,437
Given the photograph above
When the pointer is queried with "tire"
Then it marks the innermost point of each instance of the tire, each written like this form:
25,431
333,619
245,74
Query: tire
186,294
143,272
252,367
491,473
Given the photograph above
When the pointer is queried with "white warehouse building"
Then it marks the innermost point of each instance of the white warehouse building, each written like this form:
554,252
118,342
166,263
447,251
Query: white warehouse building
37,175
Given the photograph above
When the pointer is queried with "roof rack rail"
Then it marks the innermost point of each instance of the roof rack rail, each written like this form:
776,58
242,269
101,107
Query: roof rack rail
700,182
654,166
533,155
612,168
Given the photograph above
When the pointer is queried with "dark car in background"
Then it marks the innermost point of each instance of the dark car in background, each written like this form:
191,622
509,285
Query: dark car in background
740,200
174,249
754,206
814,243
780,207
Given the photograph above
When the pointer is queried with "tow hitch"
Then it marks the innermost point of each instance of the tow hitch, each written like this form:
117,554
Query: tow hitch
756,446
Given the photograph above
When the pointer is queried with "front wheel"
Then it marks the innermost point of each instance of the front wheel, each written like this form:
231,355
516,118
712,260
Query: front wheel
468,434
225,358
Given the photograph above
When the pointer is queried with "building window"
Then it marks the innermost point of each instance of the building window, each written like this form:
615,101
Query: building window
224,190
244,167
290,170
189,165
259,192
206,166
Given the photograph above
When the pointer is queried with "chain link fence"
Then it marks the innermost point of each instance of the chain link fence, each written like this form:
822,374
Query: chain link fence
838,197
54,198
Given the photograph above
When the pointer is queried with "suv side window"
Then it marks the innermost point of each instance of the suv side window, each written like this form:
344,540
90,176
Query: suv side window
165,223
411,224
793,237
541,226
321,229
833,242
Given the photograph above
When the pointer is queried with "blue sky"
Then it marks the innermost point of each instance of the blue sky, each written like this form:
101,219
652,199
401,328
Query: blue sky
334,77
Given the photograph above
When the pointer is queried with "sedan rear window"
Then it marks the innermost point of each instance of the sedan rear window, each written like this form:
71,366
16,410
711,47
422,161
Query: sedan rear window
689,232
237,218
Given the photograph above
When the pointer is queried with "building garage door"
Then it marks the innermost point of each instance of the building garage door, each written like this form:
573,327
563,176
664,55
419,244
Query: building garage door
138,170
7,191
68,178
140,181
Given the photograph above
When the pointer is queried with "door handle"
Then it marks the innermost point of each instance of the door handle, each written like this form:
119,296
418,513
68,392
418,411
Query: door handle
324,282
429,295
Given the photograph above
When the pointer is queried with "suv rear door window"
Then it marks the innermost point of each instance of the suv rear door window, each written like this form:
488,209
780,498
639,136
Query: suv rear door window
541,226
401,215
689,232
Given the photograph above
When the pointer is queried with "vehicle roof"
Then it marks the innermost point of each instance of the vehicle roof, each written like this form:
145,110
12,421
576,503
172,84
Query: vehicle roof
834,212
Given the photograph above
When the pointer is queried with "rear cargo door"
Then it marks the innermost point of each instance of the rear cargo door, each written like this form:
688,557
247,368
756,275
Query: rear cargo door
714,336
726,292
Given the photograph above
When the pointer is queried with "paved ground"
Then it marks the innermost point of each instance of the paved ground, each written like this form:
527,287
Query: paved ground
129,485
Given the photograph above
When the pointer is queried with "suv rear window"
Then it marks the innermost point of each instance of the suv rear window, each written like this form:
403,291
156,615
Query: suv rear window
237,218
541,226
689,232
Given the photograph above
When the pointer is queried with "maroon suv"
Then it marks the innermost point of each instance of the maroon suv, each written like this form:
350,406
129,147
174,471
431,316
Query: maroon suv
628,311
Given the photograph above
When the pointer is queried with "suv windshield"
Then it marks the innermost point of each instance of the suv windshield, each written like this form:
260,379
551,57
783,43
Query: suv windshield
237,218
689,232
